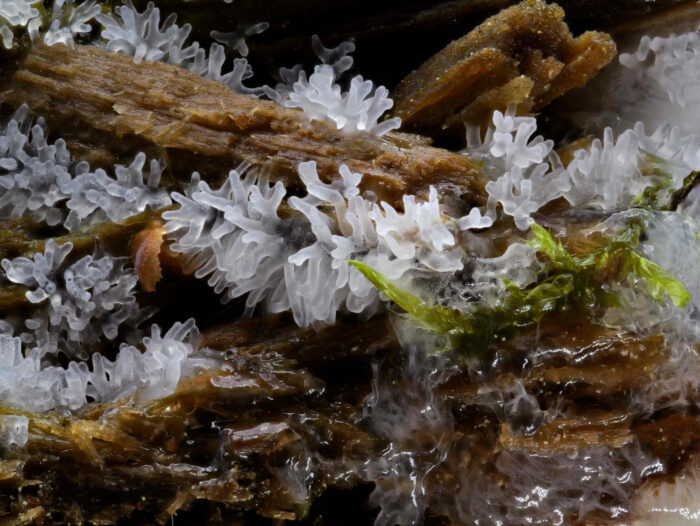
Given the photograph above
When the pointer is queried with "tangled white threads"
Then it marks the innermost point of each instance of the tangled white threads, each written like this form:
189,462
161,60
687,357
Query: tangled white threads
235,236
14,431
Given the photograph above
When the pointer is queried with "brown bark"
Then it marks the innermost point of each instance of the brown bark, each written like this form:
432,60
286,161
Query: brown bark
201,124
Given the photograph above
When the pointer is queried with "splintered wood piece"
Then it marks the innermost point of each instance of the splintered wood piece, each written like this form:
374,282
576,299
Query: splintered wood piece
530,39
572,434
201,124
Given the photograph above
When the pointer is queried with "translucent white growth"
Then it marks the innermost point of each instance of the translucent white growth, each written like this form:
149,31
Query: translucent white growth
14,431
141,35
562,487
414,419
235,40
235,236
418,233
508,144
483,278
153,373
17,13
672,63
212,67
474,220
523,192
31,171
357,110
338,58
608,175
38,273
38,180
85,301
522,181
95,197
654,84
613,172
69,20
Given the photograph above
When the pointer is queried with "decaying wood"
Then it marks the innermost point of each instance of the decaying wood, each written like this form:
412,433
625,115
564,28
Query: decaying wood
201,124
228,437
572,434
523,56
306,346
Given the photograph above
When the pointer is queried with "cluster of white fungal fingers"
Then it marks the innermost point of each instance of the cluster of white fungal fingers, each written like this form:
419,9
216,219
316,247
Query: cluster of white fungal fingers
154,373
142,36
14,14
358,109
81,304
527,174
39,180
69,20
236,236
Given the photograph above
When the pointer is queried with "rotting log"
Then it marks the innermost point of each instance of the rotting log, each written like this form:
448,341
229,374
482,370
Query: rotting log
201,124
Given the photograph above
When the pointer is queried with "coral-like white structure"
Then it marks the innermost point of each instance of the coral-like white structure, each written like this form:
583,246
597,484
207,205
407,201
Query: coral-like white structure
84,302
672,63
31,170
359,109
141,35
607,175
17,13
235,236
321,97
212,66
613,172
518,164
507,144
235,40
39,180
153,373
339,58
654,84
69,20
95,197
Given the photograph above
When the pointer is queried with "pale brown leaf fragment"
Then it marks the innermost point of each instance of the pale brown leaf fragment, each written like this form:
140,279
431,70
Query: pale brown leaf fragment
145,252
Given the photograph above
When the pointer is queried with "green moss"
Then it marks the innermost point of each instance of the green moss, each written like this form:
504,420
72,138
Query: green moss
565,282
